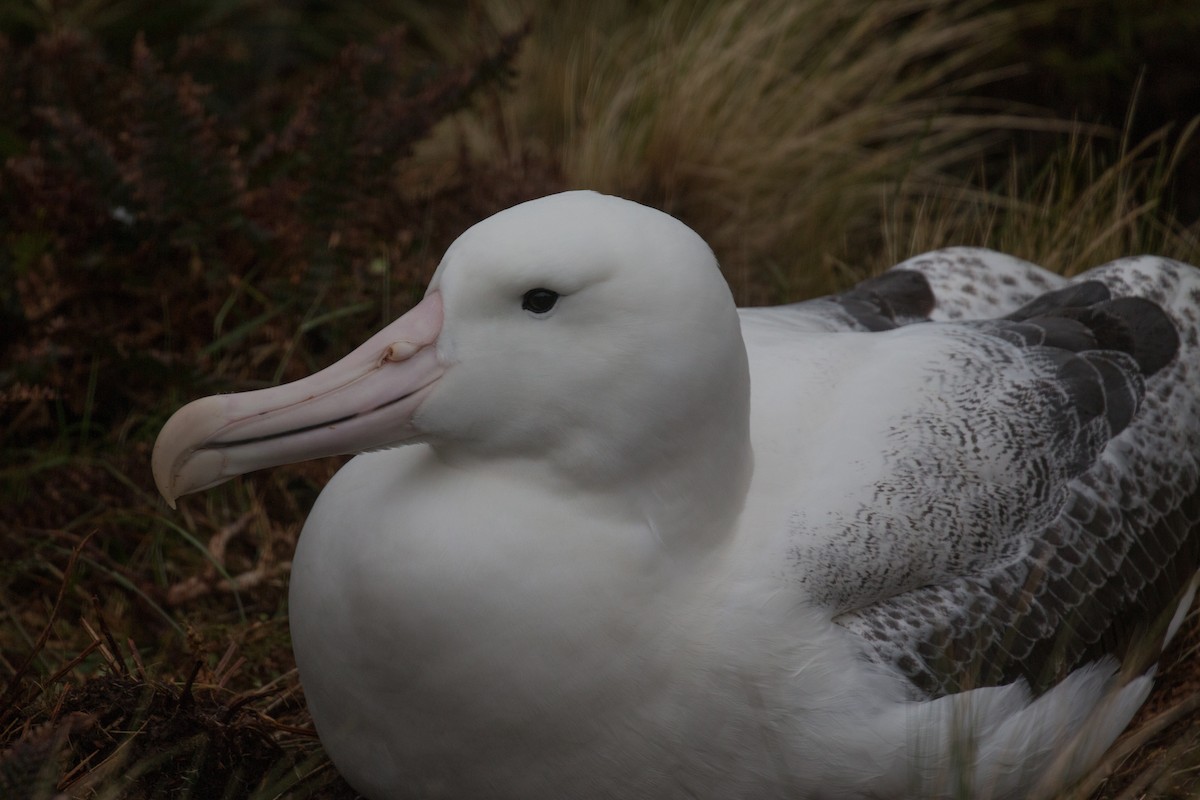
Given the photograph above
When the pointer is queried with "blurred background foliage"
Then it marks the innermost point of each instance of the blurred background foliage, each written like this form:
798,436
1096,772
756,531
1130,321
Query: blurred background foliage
208,195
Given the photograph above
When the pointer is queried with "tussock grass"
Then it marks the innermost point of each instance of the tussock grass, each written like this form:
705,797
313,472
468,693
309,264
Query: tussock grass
777,129
1084,206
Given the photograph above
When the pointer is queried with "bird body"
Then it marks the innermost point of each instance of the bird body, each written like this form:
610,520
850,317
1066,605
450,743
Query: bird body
638,543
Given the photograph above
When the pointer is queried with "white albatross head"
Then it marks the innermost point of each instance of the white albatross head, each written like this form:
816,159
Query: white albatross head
584,330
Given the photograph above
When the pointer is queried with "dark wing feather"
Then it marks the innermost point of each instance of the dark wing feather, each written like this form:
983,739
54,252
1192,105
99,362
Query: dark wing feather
975,283
949,284
887,301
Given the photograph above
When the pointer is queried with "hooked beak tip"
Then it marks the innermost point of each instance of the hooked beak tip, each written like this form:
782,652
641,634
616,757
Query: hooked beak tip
178,464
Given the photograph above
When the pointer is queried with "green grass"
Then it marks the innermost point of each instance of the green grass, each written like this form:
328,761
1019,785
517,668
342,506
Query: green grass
811,143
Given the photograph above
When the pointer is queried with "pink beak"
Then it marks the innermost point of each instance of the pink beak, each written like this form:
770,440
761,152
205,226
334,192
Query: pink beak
365,401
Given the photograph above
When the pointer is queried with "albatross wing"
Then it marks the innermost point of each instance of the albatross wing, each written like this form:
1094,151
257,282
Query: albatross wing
1054,476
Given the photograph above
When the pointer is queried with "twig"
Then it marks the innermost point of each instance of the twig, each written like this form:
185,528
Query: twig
119,656
221,539
8,699
73,663
309,733
137,659
225,669
185,697
237,705
109,658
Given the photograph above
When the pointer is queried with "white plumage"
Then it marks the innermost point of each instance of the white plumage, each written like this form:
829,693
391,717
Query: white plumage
640,544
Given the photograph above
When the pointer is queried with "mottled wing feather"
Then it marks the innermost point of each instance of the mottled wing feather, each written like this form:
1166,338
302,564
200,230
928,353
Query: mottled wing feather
1118,552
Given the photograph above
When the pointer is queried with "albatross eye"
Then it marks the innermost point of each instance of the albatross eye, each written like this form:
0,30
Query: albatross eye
539,301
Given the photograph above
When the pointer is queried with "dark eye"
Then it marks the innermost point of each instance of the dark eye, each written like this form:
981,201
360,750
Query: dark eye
539,301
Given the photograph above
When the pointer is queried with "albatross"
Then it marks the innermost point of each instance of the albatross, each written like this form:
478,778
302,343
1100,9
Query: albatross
609,536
